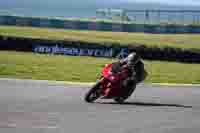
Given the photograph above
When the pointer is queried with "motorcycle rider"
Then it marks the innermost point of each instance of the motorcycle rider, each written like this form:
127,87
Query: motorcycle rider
135,66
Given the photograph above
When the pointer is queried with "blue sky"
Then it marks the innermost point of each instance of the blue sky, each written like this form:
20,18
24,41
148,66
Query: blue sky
171,2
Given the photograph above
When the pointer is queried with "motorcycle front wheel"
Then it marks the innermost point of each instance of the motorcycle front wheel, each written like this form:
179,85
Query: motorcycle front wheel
93,94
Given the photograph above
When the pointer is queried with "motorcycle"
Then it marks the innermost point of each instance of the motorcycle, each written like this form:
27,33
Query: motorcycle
110,85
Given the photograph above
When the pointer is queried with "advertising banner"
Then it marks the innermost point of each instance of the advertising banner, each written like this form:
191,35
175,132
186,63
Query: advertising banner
96,52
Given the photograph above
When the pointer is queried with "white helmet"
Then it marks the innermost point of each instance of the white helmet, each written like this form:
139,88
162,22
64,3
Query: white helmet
132,58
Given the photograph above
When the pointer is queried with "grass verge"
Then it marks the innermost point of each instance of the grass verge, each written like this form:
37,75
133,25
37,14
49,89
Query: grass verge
185,41
86,69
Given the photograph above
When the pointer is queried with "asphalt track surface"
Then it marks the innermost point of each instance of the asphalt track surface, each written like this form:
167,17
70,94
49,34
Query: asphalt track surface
43,107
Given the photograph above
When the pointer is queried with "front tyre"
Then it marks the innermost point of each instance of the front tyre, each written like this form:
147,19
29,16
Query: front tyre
93,94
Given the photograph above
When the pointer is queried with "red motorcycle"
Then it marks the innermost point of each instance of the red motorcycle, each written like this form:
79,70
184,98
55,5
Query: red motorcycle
109,85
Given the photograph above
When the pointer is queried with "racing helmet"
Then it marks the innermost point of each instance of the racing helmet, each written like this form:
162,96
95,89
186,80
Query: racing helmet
132,59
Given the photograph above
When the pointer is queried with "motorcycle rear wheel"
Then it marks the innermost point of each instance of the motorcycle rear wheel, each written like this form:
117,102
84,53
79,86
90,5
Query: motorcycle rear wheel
120,100
93,93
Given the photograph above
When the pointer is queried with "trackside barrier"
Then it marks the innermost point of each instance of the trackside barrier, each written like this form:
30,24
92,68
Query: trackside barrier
96,25
77,48
61,47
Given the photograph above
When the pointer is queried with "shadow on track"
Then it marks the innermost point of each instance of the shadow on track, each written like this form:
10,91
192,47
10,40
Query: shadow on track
147,104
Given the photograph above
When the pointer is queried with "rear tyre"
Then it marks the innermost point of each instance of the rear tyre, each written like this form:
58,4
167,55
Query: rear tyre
130,91
120,100
93,94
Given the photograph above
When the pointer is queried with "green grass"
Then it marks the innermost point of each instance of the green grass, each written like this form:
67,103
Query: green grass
86,69
185,41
